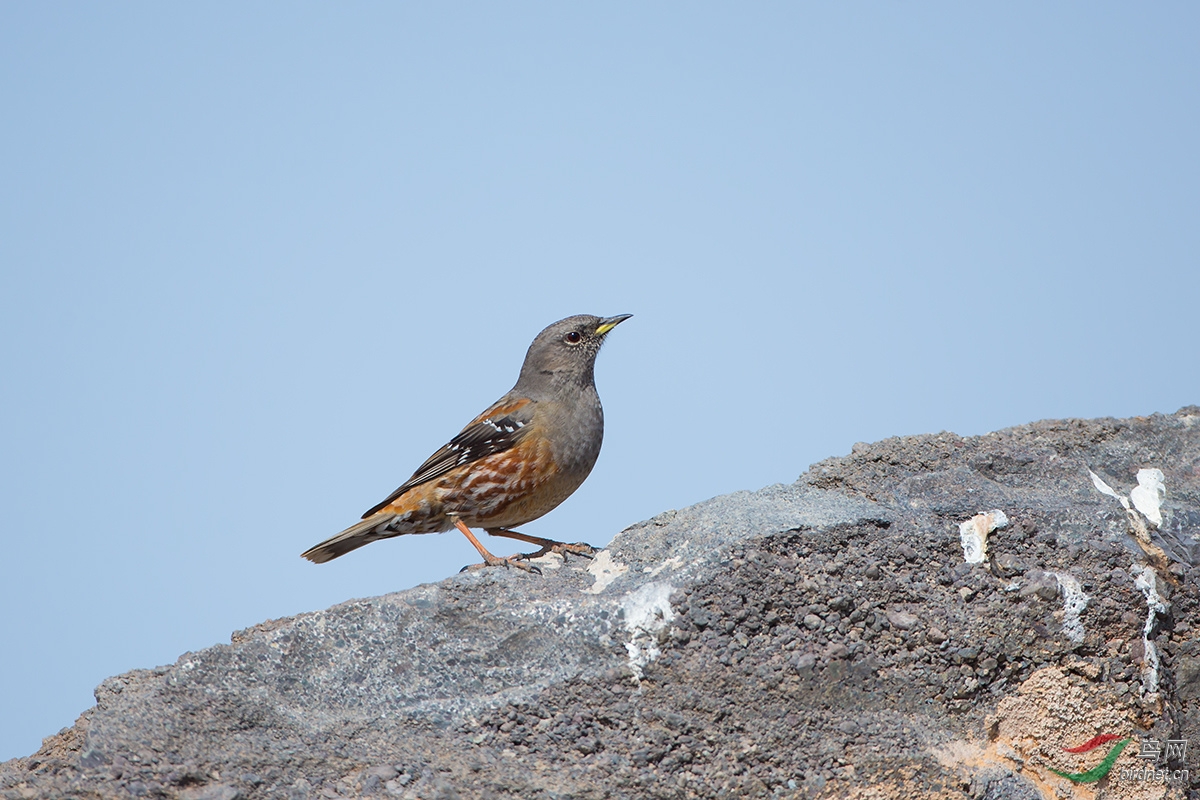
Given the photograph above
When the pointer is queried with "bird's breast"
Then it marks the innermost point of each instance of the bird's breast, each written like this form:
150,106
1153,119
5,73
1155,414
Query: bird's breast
577,433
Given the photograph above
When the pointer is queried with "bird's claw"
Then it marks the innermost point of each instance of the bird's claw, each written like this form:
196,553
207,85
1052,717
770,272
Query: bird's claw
582,549
512,561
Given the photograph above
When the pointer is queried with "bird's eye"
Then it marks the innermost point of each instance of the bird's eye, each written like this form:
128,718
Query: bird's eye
572,338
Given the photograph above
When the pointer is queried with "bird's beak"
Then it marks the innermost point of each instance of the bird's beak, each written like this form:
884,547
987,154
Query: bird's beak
608,323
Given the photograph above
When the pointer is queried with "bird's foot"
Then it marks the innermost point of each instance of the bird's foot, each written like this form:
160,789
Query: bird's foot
562,548
547,545
490,560
517,561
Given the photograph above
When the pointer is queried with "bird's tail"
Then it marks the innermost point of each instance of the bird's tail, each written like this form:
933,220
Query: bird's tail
369,530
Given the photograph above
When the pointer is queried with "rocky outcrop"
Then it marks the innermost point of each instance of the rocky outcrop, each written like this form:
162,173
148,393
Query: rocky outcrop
930,616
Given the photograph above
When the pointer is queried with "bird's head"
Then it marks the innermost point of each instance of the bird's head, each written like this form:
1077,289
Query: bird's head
565,352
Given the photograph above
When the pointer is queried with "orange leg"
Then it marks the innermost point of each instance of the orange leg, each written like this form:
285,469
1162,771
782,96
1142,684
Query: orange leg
547,545
490,560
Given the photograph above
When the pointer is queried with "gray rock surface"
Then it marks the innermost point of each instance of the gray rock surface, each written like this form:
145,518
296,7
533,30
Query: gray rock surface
825,638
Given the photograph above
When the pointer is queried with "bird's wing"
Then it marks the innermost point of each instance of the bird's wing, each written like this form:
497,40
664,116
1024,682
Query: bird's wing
493,431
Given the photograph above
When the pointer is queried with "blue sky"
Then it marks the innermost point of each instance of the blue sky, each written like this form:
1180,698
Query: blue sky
258,261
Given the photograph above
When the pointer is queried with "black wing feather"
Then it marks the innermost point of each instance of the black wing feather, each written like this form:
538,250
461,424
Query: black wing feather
491,433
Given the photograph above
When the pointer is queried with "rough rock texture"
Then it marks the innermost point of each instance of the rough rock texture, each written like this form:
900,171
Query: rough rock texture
823,639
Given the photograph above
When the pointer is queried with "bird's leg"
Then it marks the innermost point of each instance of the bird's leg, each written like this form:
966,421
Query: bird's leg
490,560
547,545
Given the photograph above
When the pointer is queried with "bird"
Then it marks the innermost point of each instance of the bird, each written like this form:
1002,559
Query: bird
515,462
